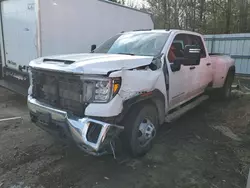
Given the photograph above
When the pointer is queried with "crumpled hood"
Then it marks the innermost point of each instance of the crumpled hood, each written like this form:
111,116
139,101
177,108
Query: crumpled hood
90,63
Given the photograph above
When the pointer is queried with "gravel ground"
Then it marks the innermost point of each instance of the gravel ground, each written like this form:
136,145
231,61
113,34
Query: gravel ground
206,148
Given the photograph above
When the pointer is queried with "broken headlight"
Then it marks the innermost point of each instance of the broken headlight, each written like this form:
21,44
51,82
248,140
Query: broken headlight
100,89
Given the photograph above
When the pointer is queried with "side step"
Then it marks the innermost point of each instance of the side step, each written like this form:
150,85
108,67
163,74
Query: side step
176,114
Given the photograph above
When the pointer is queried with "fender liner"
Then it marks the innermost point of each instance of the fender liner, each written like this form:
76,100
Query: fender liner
232,69
219,80
231,73
156,97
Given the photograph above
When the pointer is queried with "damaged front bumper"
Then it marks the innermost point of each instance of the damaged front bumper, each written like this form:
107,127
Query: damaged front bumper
93,136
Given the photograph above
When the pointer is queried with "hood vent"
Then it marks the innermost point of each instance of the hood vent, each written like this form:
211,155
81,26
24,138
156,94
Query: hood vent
67,62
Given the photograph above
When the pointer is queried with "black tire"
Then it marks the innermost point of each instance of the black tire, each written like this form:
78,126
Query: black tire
224,93
142,116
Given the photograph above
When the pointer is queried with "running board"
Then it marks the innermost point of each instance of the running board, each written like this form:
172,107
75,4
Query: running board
176,114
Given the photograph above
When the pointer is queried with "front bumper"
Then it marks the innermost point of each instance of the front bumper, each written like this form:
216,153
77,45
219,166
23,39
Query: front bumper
92,136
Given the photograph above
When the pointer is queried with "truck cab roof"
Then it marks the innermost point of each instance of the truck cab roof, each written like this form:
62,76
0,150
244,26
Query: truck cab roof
164,31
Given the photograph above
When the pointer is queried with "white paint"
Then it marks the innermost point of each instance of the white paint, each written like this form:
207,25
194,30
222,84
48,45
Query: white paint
92,63
19,31
113,108
220,66
180,84
186,83
132,85
204,71
135,81
161,85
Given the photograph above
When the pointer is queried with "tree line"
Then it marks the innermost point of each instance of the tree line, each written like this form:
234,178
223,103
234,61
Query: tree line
205,16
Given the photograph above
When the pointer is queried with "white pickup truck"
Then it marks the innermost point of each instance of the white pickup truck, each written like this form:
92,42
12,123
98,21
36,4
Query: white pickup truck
125,89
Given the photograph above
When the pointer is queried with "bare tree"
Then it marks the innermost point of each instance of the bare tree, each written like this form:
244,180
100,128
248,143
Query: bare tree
207,16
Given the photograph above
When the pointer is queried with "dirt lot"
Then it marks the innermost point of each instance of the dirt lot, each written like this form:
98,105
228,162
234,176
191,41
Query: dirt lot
207,148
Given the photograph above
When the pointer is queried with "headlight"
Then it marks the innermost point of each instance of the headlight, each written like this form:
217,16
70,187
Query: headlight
100,89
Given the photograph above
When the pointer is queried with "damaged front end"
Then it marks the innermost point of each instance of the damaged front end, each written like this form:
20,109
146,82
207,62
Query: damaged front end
65,101
93,136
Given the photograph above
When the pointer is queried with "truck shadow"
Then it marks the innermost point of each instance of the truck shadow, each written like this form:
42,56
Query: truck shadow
187,152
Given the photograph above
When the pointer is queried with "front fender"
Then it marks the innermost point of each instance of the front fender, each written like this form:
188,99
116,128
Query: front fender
134,83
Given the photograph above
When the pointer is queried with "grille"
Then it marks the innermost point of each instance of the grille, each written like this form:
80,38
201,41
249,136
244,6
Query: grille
60,90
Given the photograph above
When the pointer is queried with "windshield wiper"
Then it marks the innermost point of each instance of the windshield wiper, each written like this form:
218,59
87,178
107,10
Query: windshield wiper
126,53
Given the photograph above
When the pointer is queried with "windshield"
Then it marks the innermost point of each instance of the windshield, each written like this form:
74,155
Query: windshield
137,43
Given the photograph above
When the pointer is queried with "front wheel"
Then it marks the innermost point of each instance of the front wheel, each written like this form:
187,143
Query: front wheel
140,129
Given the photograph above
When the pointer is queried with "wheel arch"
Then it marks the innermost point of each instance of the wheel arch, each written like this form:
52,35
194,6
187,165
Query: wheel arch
154,97
230,73
232,70
220,77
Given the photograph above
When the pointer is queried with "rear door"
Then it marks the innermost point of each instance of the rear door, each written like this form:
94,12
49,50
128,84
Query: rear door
19,32
203,74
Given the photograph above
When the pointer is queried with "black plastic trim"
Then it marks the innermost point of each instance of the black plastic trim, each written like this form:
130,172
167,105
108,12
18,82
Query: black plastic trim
68,62
165,72
155,96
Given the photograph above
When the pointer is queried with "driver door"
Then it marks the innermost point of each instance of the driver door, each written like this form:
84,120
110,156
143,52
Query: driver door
180,81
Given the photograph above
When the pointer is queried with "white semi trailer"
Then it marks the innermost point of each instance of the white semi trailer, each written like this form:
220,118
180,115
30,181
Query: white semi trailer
38,28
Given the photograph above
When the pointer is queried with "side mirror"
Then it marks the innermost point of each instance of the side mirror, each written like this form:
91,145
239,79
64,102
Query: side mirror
192,52
93,47
176,66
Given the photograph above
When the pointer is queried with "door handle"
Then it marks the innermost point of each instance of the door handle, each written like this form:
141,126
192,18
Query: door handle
192,68
208,64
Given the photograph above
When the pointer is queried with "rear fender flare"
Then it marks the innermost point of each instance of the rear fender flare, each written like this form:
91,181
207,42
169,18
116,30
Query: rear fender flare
219,80
230,74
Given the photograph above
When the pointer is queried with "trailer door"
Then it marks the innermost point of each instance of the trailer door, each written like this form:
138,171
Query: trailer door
19,32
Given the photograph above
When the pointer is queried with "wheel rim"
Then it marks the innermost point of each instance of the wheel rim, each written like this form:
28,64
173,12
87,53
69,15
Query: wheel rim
146,132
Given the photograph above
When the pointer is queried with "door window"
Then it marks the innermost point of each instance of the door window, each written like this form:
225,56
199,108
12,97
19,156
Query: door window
177,48
178,45
196,40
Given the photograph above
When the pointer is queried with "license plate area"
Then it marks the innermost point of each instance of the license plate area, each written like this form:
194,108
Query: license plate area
44,118
45,122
